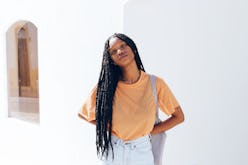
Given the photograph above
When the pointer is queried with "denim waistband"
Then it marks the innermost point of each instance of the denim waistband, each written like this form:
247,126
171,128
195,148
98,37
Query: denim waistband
131,143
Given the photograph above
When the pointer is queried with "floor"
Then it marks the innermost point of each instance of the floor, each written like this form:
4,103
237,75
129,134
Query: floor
24,108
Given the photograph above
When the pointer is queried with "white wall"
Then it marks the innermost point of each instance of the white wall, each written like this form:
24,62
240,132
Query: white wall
200,49
71,36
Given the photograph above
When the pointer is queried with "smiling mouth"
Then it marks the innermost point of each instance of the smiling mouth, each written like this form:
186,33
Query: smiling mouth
122,56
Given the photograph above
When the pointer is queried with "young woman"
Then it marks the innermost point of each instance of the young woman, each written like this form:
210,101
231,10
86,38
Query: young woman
122,106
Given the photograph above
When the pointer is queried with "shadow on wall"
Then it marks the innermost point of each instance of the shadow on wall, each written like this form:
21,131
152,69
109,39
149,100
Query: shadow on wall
22,71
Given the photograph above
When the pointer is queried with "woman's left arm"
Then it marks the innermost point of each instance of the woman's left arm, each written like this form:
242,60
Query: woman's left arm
176,118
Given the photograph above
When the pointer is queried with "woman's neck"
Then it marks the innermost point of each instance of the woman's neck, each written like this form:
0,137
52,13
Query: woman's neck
130,76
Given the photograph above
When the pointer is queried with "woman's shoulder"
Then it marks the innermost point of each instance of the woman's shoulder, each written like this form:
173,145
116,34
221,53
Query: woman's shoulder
157,77
160,81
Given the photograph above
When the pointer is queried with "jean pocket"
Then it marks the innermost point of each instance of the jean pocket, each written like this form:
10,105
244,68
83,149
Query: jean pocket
143,146
142,153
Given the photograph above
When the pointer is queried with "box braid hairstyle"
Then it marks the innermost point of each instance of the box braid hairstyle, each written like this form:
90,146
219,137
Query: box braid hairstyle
108,79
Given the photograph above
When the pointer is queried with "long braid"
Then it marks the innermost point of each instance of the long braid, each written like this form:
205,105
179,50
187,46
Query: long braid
107,83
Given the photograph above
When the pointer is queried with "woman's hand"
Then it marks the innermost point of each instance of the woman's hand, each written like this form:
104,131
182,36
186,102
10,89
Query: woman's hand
176,118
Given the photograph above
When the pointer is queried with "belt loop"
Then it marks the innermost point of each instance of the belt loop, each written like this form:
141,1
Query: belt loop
115,141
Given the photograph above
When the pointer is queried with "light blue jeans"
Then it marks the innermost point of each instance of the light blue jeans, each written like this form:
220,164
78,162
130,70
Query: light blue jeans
134,152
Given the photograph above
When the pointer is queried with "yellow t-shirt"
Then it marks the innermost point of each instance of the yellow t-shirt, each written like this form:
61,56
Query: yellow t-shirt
134,107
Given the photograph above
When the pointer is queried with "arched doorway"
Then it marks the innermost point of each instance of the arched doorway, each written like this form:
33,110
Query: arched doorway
22,67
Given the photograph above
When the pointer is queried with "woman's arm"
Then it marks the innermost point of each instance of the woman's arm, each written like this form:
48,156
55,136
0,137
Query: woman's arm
176,118
82,117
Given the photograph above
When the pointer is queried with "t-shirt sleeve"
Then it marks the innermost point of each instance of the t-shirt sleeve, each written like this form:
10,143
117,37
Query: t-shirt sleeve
166,100
88,108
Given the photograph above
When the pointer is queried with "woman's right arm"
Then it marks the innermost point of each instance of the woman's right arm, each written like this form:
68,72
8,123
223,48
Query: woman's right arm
87,111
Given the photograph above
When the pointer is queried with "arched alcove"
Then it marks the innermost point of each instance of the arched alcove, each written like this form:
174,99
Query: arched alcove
22,71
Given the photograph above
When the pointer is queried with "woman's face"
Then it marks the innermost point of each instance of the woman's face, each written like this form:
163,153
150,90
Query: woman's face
120,52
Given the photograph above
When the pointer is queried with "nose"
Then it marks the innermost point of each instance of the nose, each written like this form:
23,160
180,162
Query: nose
119,51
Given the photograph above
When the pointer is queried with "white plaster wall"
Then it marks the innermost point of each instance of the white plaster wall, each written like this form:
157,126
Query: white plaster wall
200,49
71,36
